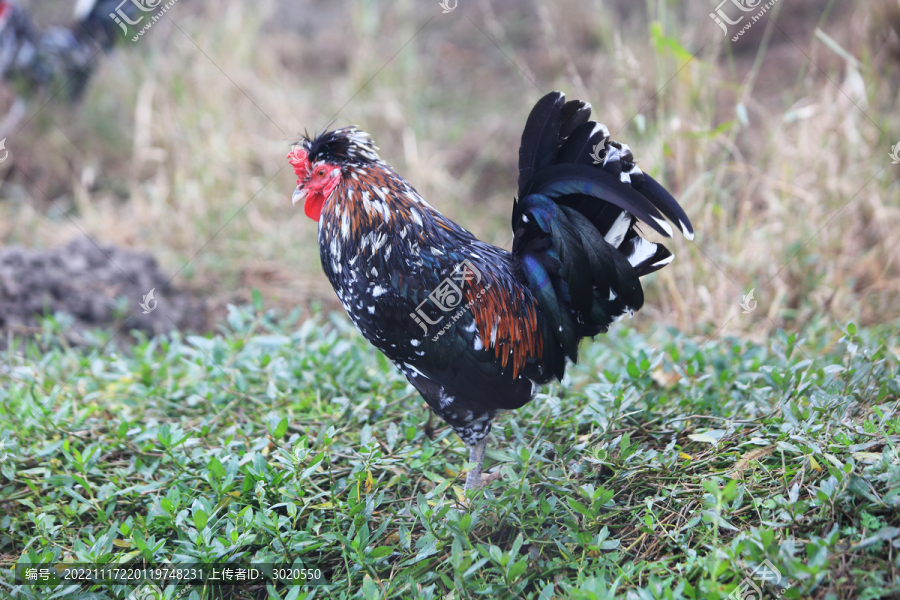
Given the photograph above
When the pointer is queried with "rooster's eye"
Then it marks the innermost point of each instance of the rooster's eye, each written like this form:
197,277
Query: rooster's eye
320,172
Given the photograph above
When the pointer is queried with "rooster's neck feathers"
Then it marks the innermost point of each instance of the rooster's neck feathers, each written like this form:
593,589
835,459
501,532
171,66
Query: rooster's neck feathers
373,200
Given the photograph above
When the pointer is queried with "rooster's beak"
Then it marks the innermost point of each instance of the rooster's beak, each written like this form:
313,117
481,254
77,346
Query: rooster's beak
299,195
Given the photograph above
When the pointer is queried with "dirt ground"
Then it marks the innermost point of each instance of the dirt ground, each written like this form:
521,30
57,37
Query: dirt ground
97,286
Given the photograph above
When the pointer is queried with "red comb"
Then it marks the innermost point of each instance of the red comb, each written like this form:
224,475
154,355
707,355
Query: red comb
299,159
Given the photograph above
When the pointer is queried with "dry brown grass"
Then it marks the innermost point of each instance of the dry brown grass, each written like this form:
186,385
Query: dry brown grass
181,140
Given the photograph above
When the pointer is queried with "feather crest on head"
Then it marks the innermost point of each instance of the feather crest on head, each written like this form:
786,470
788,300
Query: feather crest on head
319,164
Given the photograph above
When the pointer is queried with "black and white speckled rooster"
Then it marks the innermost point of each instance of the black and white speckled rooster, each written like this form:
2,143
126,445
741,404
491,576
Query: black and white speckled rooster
60,56
477,329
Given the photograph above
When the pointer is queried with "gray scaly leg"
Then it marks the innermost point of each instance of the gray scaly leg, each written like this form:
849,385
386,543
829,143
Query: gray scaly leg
476,455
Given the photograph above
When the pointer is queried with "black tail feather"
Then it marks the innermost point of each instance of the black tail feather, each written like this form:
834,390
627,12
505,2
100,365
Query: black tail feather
581,195
561,179
663,200
574,114
540,137
579,146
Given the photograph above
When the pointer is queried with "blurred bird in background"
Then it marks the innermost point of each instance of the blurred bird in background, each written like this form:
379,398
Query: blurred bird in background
58,58
474,328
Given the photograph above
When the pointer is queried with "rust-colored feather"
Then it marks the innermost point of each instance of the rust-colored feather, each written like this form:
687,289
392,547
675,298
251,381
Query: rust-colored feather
517,339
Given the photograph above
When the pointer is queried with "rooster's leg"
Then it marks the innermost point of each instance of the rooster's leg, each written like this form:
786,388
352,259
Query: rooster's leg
476,455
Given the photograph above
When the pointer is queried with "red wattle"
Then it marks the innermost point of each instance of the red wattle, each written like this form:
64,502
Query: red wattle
315,200
312,206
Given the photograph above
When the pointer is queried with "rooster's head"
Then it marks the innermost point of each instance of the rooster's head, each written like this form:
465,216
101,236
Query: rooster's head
321,163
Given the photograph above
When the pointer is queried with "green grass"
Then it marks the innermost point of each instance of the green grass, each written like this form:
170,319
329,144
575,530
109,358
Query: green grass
662,467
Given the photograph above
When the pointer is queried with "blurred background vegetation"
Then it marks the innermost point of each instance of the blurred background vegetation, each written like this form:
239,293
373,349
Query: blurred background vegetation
776,145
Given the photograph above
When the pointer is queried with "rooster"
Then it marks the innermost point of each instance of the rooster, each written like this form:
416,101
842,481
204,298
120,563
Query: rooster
474,328
34,59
